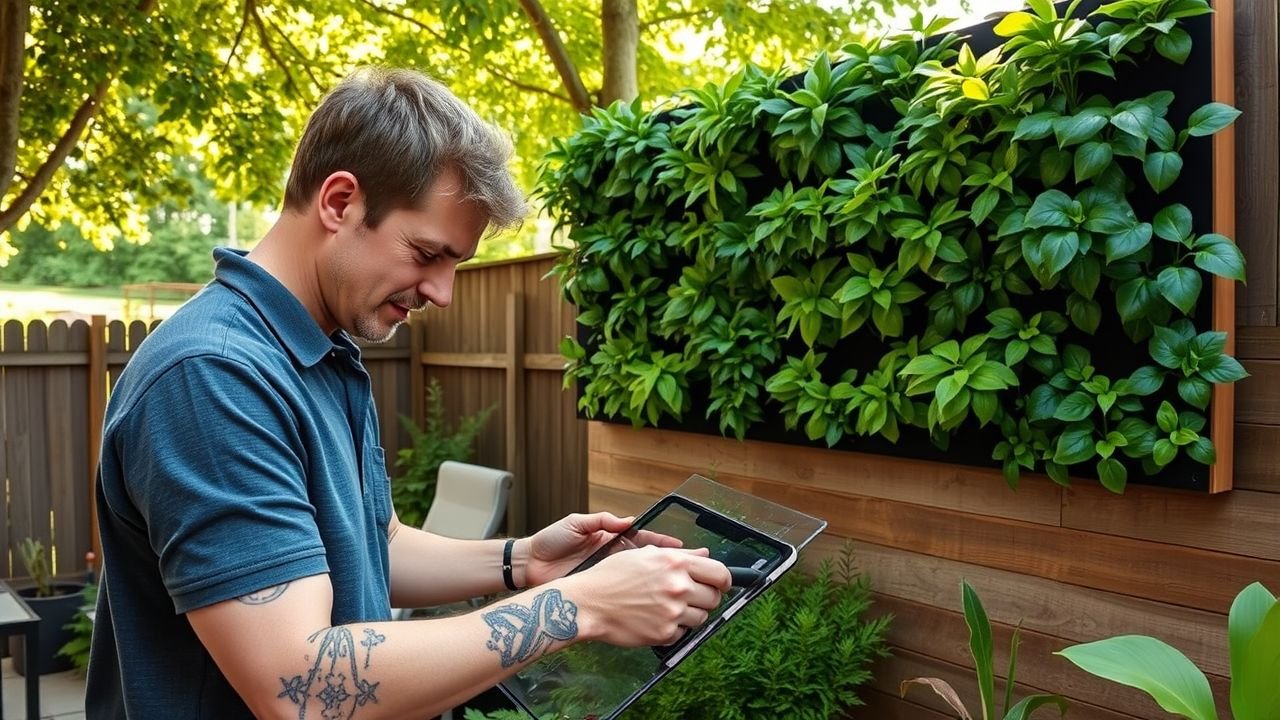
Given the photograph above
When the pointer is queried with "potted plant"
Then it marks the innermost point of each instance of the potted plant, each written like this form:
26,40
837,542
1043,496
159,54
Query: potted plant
56,602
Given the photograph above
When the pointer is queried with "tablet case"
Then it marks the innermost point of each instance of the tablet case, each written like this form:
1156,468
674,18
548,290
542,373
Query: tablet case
597,681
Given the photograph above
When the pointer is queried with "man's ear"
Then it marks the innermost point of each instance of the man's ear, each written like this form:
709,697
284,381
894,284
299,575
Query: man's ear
340,201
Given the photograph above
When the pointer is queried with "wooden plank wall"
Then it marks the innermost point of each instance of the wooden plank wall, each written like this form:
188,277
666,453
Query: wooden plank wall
1069,565
497,345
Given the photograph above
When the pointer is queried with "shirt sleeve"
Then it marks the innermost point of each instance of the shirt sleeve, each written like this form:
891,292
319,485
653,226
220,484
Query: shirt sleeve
213,459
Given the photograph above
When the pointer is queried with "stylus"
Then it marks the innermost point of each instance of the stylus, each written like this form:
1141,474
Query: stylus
744,576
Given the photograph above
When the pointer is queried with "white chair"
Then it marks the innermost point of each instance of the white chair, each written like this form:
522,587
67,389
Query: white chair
470,504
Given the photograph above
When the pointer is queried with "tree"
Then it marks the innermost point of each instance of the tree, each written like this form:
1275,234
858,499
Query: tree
98,97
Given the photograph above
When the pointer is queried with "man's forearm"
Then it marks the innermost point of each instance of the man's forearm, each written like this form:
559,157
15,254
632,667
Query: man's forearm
430,569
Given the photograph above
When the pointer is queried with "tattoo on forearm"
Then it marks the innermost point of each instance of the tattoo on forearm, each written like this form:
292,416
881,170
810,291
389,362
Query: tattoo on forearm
334,678
265,595
520,633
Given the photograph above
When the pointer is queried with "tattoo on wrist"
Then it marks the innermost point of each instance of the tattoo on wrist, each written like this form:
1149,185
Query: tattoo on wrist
335,678
519,633
265,595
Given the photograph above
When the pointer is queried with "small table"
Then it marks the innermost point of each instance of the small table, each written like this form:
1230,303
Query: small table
16,617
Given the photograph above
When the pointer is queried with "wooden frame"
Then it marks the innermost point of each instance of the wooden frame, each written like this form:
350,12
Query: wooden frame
1222,413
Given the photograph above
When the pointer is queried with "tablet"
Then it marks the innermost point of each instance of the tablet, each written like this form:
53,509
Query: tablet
597,681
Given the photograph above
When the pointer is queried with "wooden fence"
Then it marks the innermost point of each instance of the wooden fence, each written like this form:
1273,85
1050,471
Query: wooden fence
54,382
496,347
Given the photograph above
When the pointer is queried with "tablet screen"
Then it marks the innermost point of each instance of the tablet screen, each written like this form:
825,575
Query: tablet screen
596,680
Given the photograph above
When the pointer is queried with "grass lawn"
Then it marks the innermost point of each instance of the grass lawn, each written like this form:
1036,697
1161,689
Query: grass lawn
39,302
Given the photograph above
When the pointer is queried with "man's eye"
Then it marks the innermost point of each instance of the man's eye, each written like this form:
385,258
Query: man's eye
425,257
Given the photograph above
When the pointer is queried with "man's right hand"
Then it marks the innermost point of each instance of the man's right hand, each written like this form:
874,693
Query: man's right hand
647,596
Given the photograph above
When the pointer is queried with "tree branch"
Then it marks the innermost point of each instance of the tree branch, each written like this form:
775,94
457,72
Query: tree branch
235,44
492,69
271,51
69,139
14,16
41,179
303,60
559,55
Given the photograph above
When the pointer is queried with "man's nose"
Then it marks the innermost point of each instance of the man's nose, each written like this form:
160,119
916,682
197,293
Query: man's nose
437,286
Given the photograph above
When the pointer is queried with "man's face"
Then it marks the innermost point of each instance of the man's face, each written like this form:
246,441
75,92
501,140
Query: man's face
372,278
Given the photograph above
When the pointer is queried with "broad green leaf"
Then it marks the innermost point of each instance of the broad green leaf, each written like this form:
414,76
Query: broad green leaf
1123,244
1167,417
1196,391
1014,23
1034,127
1076,406
1173,223
1176,45
1049,210
1078,128
980,647
788,288
1151,666
1166,347
1162,169
1091,159
1202,451
1146,380
1243,622
1163,452
1074,446
1113,475
1223,369
1029,704
1220,258
1055,163
1059,248
1180,286
1209,119
926,365
1258,696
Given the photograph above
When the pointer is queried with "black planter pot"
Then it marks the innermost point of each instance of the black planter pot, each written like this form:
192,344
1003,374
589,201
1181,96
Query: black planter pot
54,612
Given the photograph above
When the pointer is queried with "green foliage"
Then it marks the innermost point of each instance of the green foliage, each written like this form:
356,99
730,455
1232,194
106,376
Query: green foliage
37,564
942,244
414,486
1174,682
231,84
800,650
982,649
81,629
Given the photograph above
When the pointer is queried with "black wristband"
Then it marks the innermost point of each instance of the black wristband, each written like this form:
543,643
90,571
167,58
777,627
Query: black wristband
506,564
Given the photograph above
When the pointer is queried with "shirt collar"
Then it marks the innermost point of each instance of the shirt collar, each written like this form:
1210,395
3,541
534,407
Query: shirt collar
279,308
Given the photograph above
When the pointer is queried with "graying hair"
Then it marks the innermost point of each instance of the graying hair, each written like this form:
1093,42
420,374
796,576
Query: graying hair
397,130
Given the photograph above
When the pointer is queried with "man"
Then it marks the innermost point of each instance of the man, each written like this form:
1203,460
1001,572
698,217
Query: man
251,554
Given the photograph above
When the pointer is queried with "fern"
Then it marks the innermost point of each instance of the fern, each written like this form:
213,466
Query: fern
418,465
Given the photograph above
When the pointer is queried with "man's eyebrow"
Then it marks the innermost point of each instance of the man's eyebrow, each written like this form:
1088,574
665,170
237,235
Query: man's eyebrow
440,247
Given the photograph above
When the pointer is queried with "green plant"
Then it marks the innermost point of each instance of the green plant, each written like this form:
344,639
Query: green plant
982,649
414,486
945,242
33,559
1174,682
800,651
81,628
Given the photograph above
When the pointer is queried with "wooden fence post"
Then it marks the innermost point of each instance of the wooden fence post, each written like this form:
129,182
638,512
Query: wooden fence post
97,401
517,510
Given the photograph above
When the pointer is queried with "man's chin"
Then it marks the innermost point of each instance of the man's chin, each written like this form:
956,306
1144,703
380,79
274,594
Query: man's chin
376,332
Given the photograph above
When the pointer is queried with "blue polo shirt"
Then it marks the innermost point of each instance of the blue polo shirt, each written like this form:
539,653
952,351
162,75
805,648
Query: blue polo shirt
240,451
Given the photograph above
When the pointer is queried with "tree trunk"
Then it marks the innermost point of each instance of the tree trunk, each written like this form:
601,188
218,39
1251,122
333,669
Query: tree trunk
14,16
620,26
555,48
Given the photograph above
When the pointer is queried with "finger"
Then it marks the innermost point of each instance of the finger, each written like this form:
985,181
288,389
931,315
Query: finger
704,598
710,572
648,537
694,617
594,522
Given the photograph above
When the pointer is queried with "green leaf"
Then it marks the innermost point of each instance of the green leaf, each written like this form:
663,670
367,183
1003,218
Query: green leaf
1034,127
788,288
1196,391
1225,369
1163,452
1123,244
1113,475
1091,159
1220,258
1209,119
1074,446
1078,128
1167,417
1050,210
980,646
1166,347
1249,627
1055,163
1059,248
1076,406
1151,666
1180,286
1146,380
1014,23
926,365
1173,223
1085,314
1030,703
1202,451
1162,169
1176,45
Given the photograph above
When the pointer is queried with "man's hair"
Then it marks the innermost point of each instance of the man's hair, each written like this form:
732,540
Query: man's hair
397,131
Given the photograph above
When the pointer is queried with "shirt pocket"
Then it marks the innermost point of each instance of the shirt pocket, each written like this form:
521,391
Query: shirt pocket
377,486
